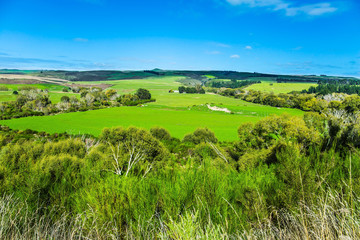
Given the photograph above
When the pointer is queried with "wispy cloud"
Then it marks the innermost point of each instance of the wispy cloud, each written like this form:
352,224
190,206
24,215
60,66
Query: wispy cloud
81,39
41,63
234,56
223,45
248,48
290,9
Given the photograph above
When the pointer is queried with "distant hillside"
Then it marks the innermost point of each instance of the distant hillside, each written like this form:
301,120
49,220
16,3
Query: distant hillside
196,75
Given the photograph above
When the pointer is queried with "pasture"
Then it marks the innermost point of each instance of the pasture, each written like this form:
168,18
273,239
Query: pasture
276,88
179,113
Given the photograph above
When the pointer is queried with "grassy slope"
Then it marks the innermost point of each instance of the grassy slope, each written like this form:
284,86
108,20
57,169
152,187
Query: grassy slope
280,87
172,111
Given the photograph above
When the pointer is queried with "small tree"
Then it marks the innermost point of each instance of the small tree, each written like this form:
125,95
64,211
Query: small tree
65,99
143,94
132,148
200,135
160,133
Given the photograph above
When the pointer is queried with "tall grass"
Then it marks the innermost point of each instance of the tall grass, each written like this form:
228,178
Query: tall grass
18,222
329,217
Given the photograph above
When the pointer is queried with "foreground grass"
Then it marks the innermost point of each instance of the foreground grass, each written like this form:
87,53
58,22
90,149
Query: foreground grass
328,217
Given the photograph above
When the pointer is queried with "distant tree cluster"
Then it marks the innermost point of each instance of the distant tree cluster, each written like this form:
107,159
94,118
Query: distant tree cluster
233,83
305,102
36,102
197,89
324,89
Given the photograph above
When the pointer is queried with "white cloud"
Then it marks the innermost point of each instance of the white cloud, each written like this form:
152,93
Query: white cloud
235,56
81,39
290,10
248,47
312,9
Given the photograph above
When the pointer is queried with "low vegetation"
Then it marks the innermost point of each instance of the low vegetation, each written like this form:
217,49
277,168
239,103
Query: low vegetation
133,183
36,102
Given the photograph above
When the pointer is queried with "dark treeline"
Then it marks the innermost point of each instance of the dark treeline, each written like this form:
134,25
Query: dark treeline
318,79
138,179
349,81
36,102
324,89
232,83
197,89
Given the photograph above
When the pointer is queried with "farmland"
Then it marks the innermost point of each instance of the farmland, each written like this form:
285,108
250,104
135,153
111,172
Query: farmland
179,113
270,86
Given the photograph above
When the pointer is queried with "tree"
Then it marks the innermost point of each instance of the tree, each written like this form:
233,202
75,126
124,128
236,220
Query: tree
65,99
181,89
160,133
132,148
143,94
200,135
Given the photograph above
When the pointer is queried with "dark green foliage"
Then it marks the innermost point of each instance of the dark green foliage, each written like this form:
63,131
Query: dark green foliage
233,83
200,135
160,133
324,89
143,94
65,99
197,89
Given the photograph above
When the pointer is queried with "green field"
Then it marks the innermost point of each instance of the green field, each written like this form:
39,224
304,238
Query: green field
280,87
179,113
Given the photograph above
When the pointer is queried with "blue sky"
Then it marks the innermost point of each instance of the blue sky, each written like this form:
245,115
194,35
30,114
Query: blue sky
272,36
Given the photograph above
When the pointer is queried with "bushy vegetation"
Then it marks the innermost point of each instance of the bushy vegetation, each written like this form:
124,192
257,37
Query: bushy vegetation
147,184
36,102
232,84
196,89
302,101
324,89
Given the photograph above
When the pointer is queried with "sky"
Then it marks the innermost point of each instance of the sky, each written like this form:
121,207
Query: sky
269,36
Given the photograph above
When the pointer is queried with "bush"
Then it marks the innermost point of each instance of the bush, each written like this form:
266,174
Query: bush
65,99
200,135
160,133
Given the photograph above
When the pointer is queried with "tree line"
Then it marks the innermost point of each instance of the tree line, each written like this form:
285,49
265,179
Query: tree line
36,102
325,89
232,84
302,101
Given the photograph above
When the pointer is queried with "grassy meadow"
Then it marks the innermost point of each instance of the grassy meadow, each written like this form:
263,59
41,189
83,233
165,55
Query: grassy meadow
179,113
269,86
